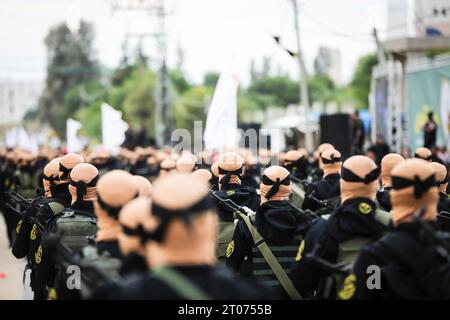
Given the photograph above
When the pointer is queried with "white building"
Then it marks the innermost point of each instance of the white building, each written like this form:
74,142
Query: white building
16,98
417,18
328,61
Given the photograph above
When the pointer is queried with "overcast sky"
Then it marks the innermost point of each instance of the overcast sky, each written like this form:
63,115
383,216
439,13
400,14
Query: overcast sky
214,34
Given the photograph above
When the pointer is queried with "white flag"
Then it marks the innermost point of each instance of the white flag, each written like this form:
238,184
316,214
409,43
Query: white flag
74,143
24,141
11,138
445,106
221,123
113,128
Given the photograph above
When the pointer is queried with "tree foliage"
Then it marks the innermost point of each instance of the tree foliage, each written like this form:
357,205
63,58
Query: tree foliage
70,62
362,76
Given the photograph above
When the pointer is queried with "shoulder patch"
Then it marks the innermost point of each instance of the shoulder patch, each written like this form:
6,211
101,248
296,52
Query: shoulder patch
19,226
33,233
364,208
230,192
230,249
348,287
301,248
52,295
38,255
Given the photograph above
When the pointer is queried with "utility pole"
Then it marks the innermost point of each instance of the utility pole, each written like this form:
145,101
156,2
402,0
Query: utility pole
303,84
163,123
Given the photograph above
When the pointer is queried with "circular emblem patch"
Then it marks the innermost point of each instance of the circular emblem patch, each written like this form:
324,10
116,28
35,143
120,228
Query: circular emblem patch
19,226
364,208
348,287
301,248
230,249
33,232
38,255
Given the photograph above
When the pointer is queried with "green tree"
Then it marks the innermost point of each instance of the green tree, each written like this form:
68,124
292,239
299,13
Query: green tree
210,79
362,76
280,91
70,63
191,106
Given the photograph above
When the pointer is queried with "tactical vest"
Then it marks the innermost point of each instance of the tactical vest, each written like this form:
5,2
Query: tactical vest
297,196
336,285
56,206
275,268
284,254
75,227
226,231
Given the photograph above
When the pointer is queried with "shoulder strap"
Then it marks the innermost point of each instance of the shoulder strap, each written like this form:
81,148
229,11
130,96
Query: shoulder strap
56,207
406,248
179,283
384,217
279,272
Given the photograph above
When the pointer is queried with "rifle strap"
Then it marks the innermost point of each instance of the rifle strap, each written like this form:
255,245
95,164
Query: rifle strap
279,272
56,207
383,216
179,283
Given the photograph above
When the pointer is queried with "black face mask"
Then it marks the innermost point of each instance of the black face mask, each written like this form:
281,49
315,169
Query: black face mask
61,191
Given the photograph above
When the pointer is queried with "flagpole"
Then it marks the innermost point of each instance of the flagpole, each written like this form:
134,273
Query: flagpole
303,85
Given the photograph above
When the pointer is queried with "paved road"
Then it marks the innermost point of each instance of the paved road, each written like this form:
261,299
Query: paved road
11,271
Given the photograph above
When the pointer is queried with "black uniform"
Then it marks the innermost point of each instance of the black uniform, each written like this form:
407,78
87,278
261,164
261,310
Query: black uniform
328,188
299,169
249,178
444,202
281,228
214,282
384,199
354,218
241,195
28,236
419,273
46,269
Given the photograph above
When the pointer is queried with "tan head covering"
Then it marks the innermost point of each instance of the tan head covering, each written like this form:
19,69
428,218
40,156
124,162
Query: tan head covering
215,169
83,179
183,243
440,171
51,175
292,157
230,169
67,163
135,218
303,152
144,186
388,163
423,153
114,189
413,188
167,166
202,174
185,164
359,176
321,149
331,162
275,184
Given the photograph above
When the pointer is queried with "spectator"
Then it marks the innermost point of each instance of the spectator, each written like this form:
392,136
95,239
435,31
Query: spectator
378,150
429,131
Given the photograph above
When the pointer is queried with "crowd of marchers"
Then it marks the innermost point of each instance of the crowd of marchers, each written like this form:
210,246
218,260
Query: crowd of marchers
152,223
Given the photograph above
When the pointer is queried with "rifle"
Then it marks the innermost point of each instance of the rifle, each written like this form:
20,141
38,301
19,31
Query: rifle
325,205
237,209
341,268
16,198
305,183
305,213
31,219
66,257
